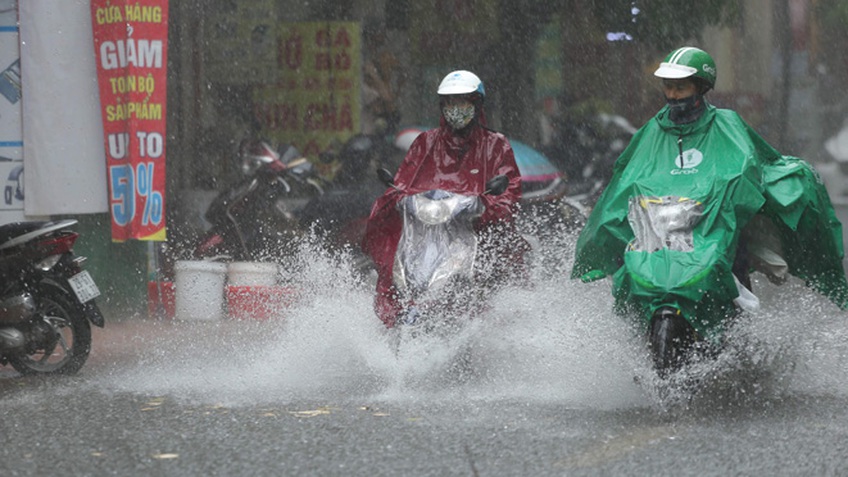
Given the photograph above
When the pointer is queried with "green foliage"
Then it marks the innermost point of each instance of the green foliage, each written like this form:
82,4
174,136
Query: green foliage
664,24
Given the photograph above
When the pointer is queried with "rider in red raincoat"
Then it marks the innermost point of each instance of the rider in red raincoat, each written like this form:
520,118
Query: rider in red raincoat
459,156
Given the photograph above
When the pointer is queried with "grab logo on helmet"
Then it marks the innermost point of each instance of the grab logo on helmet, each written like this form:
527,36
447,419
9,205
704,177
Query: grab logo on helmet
687,162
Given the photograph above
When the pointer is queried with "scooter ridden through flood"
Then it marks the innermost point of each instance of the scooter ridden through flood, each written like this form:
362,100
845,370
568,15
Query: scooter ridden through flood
437,253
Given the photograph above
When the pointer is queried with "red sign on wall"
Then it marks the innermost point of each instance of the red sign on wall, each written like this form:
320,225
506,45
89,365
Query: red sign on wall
130,47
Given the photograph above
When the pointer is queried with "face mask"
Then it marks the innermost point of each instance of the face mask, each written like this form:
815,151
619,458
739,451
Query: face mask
458,116
686,110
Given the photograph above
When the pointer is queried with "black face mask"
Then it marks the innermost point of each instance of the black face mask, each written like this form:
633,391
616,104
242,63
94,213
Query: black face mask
686,110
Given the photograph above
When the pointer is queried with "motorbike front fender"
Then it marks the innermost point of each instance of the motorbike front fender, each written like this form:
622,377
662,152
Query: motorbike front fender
703,292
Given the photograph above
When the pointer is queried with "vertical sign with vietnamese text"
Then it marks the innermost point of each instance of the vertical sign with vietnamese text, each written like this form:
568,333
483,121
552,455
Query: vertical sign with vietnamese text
130,47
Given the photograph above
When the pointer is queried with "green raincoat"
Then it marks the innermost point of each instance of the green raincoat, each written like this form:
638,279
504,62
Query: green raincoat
728,174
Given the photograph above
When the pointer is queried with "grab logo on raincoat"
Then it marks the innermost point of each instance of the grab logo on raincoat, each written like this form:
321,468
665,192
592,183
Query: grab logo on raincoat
687,162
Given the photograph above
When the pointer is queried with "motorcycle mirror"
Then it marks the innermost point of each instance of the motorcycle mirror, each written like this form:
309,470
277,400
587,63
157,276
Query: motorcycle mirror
497,185
386,177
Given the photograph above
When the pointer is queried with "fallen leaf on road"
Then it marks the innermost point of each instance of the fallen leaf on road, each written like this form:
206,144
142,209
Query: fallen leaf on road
165,456
316,412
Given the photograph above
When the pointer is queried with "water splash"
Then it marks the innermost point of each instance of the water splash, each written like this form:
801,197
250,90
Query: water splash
556,341
791,348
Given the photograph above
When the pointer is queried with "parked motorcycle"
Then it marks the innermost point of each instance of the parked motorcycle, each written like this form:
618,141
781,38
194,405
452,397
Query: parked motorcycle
587,155
258,217
46,299
437,252
340,214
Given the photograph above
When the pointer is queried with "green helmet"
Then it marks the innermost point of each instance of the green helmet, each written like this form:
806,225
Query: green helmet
686,62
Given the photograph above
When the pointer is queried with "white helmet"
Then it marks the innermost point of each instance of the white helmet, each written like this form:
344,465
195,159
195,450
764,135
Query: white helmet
461,82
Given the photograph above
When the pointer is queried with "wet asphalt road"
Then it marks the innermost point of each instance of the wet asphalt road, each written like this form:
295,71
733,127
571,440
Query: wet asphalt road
106,421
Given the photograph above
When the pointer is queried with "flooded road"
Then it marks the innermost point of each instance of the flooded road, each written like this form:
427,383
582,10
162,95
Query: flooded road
548,382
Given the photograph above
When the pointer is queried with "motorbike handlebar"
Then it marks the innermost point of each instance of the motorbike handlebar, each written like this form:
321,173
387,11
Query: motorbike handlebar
495,186
386,177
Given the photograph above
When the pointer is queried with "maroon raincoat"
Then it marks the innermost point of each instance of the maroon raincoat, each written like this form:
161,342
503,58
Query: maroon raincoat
440,159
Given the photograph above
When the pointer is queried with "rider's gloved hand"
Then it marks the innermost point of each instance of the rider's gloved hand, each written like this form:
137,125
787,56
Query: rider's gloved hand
592,275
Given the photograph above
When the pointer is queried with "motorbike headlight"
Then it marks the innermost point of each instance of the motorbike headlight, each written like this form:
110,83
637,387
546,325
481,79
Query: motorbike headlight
432,212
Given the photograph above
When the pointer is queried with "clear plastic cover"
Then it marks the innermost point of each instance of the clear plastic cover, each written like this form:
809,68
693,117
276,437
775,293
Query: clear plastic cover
663,222
437,242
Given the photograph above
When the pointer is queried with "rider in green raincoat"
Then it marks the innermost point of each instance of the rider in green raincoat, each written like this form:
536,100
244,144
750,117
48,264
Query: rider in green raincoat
669,223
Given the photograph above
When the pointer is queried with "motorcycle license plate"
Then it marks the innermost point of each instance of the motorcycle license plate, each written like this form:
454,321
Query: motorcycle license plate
84,286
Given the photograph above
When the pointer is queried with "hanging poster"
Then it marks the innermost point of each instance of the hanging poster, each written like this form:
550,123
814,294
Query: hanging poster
130,46
316,96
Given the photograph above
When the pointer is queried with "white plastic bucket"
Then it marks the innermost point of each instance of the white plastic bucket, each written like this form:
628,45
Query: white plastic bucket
252,274
199,290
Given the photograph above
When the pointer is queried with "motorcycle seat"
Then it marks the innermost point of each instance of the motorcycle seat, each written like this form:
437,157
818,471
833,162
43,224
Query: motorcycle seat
16,233
11,230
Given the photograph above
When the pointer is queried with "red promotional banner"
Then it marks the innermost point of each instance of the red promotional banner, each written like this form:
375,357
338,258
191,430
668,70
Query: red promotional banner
130,47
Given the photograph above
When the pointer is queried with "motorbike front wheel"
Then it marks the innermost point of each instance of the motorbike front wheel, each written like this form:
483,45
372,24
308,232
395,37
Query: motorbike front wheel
59,343
671,339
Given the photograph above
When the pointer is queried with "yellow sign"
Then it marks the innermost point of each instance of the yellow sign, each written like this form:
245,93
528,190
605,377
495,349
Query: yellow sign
316,97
